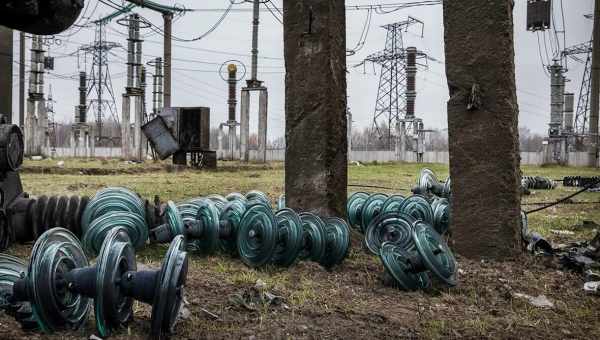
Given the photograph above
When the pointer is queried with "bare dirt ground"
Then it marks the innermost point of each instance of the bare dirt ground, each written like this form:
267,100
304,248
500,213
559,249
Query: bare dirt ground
351,301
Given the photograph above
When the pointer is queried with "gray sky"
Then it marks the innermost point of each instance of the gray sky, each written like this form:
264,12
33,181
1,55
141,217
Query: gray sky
197,83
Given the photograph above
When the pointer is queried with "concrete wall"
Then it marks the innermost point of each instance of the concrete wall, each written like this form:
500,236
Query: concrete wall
527,158
107,152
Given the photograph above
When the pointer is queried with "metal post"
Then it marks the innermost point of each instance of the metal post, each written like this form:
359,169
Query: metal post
411,83
402,141
138,118
130,52
22,80
142,114
168,21
349,119
568,113
100,63
138,51
232,102
244,125
125,127
157,89
263,103
81,111
92,141
6,69
595,88
255,23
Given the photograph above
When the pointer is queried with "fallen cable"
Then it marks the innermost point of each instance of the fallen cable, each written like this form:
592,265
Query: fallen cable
568,203
374,187
589,186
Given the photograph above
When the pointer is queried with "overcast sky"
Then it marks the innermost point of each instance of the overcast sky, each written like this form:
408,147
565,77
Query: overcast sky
196,81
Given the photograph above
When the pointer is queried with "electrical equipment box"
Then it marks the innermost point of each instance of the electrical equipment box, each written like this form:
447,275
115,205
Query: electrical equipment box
189,128
539,15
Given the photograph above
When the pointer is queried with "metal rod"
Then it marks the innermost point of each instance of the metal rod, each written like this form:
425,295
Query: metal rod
595,92
255,23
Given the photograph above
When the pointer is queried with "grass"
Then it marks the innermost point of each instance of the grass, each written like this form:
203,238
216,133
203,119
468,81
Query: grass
350,301
234,177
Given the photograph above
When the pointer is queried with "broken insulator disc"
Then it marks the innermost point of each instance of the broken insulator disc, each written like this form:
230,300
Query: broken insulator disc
255,195
441,215
289,237
117,257
434,252
398,265
256,236
13,269
229,223
371,209
392,204
394,228
337,240
134,224
54,254
168,295
314,242
418,207
355,206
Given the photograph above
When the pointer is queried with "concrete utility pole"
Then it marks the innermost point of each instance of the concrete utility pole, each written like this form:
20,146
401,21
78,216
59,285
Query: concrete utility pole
6,69
595,89
316,124
483,128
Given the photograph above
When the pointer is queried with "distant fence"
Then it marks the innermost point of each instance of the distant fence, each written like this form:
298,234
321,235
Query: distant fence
527,158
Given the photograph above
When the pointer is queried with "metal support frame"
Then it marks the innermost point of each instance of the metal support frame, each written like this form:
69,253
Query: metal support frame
100,81
157,87
134,144
254,85
397,90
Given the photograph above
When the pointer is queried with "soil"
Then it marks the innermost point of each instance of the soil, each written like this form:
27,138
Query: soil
351,302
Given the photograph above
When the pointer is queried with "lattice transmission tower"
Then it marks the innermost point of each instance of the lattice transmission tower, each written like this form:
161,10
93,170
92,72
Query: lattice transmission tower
391,104
583,102
100,81
52,138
